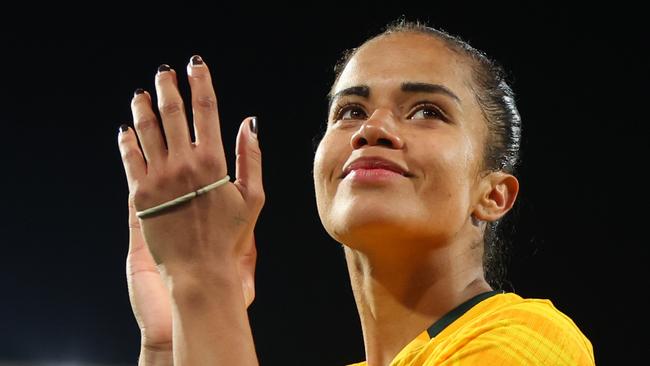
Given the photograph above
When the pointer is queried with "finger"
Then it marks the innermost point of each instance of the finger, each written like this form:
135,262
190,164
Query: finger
132,159
146,125
249,164
172,111
204,107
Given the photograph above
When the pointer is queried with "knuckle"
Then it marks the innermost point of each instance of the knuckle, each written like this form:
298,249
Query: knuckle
146,122
140,195
171,107
182,169
257,197
129,153
207,103
255,155
208,161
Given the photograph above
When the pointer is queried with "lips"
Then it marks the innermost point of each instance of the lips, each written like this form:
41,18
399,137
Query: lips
374,162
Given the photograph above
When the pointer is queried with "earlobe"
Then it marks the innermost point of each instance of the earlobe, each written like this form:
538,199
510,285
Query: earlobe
475,220
498,197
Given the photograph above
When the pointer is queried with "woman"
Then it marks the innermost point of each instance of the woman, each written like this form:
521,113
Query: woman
412,174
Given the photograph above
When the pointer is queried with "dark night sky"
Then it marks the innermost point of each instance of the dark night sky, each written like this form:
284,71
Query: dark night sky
580,80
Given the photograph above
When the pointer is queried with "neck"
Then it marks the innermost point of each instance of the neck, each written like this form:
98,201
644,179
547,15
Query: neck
399,295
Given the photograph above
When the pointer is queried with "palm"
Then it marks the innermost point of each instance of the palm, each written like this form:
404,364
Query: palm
147,292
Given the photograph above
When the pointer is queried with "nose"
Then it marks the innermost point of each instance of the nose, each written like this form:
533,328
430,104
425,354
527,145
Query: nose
379,129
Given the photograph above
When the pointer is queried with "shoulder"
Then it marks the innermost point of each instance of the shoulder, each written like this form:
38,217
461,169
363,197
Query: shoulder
509,330
538,316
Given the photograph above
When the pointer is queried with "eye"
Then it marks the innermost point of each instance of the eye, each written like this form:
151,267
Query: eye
427,111
350,112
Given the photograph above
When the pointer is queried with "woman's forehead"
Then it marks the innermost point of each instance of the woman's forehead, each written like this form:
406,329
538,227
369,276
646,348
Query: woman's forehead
398,58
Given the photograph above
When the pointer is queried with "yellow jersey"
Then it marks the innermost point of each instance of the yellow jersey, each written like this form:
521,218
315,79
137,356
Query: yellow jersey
496,328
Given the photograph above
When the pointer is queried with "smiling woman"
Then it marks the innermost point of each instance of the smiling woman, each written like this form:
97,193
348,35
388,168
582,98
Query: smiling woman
412,175
426,133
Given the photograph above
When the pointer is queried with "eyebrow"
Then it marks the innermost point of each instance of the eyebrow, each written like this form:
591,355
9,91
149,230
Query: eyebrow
411,87
429,88
360,90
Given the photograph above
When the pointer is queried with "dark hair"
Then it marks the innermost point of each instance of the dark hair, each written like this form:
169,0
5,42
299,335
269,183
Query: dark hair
496,100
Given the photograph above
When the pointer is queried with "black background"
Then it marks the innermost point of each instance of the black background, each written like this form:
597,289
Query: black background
581,81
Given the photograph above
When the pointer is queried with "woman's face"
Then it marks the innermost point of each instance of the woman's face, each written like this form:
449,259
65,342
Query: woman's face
402,153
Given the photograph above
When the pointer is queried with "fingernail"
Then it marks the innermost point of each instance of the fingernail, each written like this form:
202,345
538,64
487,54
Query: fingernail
196,60
138,91
163,68
252,123
124,128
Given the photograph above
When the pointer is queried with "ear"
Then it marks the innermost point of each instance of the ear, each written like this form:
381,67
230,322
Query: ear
498,194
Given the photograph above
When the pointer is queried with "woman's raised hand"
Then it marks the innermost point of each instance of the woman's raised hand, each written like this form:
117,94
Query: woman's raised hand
197,239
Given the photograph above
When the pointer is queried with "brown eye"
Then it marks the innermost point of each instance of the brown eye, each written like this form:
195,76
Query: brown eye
427,111
351,112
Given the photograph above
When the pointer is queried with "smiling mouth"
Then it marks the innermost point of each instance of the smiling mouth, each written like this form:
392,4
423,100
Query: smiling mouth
368,166
373,172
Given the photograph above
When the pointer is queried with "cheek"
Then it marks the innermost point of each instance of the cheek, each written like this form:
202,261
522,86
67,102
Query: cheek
321,159
446,178
326,160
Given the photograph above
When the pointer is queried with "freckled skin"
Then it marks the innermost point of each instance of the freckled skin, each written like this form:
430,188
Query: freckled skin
444,157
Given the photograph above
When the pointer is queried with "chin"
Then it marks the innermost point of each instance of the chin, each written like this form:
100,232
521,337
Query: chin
355,224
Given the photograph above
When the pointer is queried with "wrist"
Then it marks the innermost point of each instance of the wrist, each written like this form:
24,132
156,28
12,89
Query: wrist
196,284
209,309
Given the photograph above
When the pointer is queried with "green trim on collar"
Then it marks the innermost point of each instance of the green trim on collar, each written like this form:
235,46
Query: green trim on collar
456,313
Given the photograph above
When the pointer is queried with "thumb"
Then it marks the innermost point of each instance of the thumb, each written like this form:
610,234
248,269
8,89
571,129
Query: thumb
249,164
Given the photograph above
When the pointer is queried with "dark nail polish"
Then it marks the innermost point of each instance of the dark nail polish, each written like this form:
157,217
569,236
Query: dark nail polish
196,60
124,128
138,91
252,123
163,68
